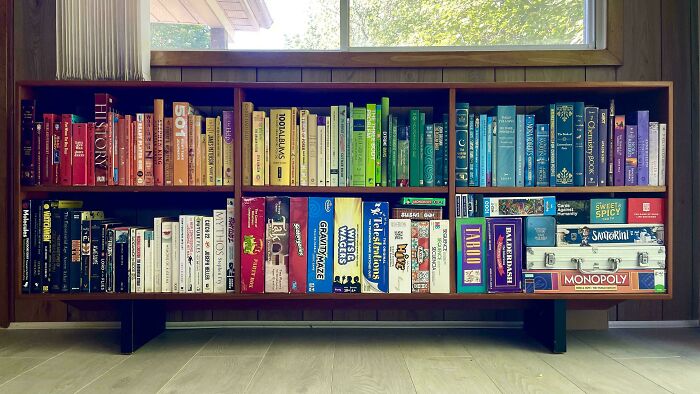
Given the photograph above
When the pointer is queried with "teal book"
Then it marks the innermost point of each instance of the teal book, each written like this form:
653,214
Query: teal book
483,125
470,150
445,148
394,150
429,157
520,150
494,151
529,150
506,145
489,148
552,146
385,128
358,146
378,147
461,137
348,146
471,255
370,146
579,145
421,136
415,171
564,144
403,156
477,149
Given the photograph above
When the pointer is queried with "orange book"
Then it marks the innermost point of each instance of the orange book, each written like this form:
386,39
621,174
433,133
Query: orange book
192,144
148,150
180,143
168,151
158,144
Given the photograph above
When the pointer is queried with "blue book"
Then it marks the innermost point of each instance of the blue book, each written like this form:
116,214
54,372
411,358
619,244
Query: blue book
591,152
470,150
320,245
477,150
642,148
542,155
461,137
489,143
603,147
553,145
631,159
375,238
483,124
579,145
564,142
529,150
520,150
429,156
505,149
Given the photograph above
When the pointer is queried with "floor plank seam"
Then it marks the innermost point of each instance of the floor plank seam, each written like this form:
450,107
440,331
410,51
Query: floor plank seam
34,367
186,363
554,368
257,368
104,373
481,367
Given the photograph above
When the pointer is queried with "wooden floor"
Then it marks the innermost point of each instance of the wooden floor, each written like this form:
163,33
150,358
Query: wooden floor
349,360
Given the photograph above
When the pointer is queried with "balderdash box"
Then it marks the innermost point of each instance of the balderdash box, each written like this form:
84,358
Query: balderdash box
439,256
375,268
320,245
399,255
504,255
347,266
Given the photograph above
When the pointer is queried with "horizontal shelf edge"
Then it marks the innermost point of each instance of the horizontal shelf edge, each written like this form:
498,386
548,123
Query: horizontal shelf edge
125,189
563,190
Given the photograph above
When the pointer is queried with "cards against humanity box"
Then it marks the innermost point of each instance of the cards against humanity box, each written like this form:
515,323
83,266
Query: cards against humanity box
645,210
439,256
375,268
471,255
504,255
252,244
573,212
399,256
347,265
277,244
420,258
520,206
608,210
320,244
299,212
572,281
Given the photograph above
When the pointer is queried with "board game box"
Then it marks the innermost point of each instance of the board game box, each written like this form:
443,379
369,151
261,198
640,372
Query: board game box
252,244
520,206
320,244
347,264
440,256
572,281
420,257
299,211
375,267
610,234
471,255
416,213
573,212
277,244
608,210
645,210
399,256
504,256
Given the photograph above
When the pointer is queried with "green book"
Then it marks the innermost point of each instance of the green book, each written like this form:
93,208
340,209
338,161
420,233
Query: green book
370,146
358,146
415,169
348,146
421,158
386,130
424,201
378,147
429,156
393,142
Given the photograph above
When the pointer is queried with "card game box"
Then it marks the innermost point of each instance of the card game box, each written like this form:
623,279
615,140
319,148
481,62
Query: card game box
573,212
540,231
610,234
645,210
320,244
573,281
608,210
399,256
347,264
417,213
375,267
440,256
298,213
252,244
277,244
520,206
420,256
504,255
471,255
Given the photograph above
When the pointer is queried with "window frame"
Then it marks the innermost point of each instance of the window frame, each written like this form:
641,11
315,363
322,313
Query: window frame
608,52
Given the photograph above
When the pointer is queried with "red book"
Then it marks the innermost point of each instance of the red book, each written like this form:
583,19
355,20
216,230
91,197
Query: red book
298,221
252,244
104,105
47,149
66,160
645,210
79,175
148,150
90,154
122,150
158,144
130,150
112,148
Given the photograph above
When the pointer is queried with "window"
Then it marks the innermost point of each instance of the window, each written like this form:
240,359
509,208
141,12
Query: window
371,25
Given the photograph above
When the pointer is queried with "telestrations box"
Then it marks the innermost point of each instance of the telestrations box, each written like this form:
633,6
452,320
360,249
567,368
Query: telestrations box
299,212
645,210
471,255
252,244
610,235
608,210
573,281
504,255
320,244
420,257
347,266
399,256
440,256
375,268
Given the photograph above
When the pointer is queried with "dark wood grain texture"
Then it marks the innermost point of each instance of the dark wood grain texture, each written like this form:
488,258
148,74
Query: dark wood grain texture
6,105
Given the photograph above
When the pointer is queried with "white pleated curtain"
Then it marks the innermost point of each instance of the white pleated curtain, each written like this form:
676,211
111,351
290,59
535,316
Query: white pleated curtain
103,39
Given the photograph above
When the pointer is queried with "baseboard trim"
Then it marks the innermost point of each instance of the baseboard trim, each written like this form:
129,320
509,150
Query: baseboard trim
342,324
69,325
654,324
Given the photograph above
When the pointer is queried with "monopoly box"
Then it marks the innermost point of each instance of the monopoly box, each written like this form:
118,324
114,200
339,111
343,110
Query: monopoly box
573,281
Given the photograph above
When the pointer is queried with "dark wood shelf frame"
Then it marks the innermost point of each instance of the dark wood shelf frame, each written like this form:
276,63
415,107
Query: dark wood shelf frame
657,96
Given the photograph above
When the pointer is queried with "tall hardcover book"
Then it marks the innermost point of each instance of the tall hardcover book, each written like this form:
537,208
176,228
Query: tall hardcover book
298,251
579,144
490,135
421,147
378,147
590,146
312,122
375,244
611,145
334,169
343,136
304,148
349,148
67,121
470,151
402,156
471,255
293,148
147,262
246,136
399,256
504,255
461,143
505,146
542,155
386,131
175,259
347,263
219,146
259,165
370,145
180,143
565,124
642,148
200,151
148,149
121,260
47,148
228,148
252,244
104,104
219,240
477,130
662,154
415,170
79,167
420,257
320,244
280,150
429,157
553,146
210,135
158,145
529,151
603,147
440,256
446,145
140,152
653,153
267,150
277,244
619,151
230,245
86,219
520,150
359,120
27,160
439,146
321,151
328,141
166,256
631,161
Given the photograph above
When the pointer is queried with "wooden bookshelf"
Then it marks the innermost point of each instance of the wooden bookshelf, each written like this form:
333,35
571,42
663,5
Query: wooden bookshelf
77,96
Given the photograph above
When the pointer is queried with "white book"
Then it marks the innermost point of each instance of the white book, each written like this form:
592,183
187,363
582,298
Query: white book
207,254
186,253
175,259
132,259
303,148
138,263
259,164
662,154
219,251
653,153
198,239
333,171
312,125
399,256
342,145
321,153
230,244
166,255
147,261
328,155
267,150
157,253
439,256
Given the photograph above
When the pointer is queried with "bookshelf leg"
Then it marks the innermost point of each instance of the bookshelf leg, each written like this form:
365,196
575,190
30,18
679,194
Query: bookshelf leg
546,322
141,321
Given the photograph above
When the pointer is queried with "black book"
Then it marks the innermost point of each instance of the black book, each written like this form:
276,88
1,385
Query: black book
98,254
36,246
51,231
66,251
28,250
28,172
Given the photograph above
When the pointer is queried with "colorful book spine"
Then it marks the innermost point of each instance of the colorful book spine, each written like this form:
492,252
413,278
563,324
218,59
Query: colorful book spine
299,212
375,267
167,150
421,147
520,150
220,235
37,152
553,145
219,152
334,130
193,146
399,256
642,148
210,135
304,147
27,160
198,254
349,148
471,255
207,256
180,143
490,132
429,156
293,148
246,140
461,144
403,156
359,129
483,132
619,151
66,160
611,145
228,147
477,149
631,160
320,244
104,105
329,142
347,263
471,170
542,155
321,151
505,145
280,134
579,145
653,153
590,147
252,244
378,146
259,166
529,150
140,150
393,150
342,146
79,167
420,257
370,145
504,255
662,154
230,245
446,147
440,256
148,149
565,125
386,130
602,147
312,124
276,244
415,171
158,129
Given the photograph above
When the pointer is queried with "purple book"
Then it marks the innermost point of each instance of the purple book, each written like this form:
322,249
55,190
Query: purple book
504,255
642,148
631,156
619,148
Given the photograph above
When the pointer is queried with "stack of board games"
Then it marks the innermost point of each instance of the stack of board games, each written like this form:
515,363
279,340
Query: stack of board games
107,148
69,248
574,145
344,145
343,245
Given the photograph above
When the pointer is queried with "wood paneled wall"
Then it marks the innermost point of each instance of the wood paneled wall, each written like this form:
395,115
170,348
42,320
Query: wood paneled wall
657,46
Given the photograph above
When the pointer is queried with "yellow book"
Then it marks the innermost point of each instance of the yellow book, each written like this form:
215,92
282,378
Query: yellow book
280,150
210,134
312,143
347,256
246,131
293,150
259,163
219,148
227,132
267,150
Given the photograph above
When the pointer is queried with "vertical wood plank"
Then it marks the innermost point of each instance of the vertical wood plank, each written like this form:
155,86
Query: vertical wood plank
35,39
234,74
352,75
469,74
315,74
408,75
6,103
166,73
292,74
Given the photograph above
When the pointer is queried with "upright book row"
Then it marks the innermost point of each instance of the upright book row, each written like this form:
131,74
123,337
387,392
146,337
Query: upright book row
145,149
66,248
351,146
574,145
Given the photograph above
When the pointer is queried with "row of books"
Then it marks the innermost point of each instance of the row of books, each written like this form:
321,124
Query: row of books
145,149
352,146
66,248
342,245
577,145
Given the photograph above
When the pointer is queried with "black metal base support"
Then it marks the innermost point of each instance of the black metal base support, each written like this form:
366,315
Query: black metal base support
141,321
546,322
